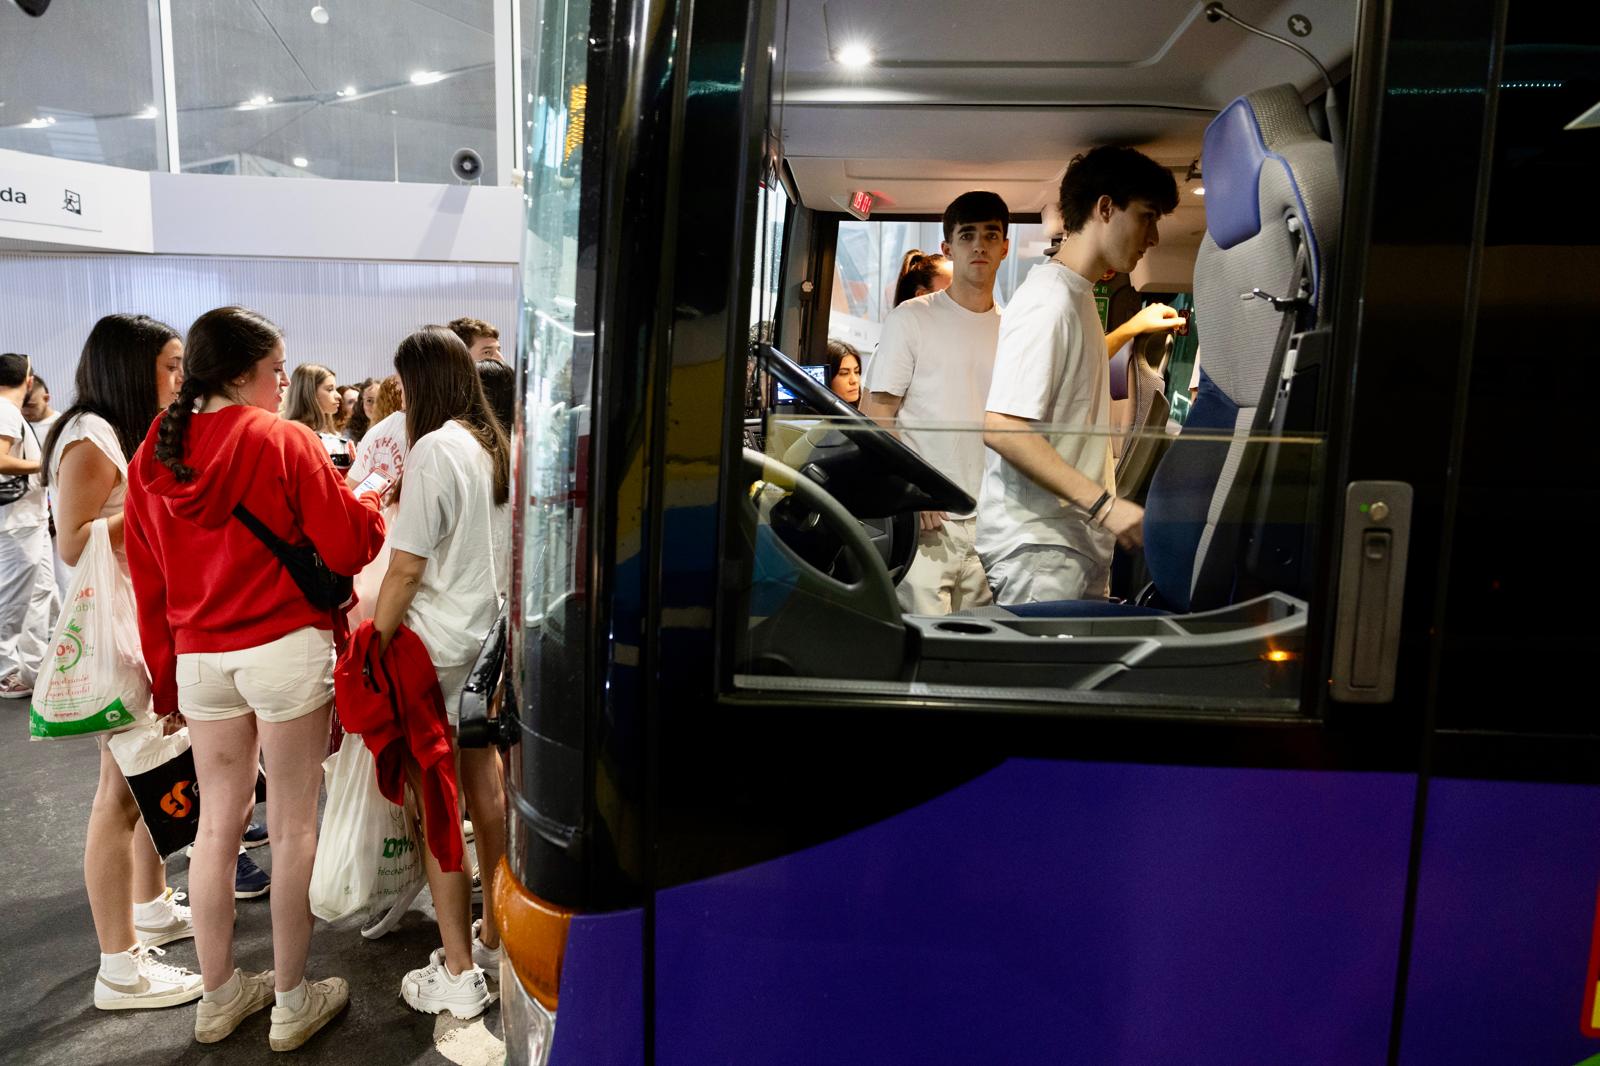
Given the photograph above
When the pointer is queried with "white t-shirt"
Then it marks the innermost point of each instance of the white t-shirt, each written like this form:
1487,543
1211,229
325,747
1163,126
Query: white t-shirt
939,357
1051,367
382,449
447,515
98,432
30,510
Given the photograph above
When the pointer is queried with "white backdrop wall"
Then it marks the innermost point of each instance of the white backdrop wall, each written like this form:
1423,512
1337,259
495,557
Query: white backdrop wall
345,314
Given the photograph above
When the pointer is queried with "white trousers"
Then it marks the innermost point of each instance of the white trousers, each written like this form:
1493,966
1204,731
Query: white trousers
1040,573
27,599
946,574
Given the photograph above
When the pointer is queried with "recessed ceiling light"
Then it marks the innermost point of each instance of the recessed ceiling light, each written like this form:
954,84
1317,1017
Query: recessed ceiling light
319,15
39,123
300,161
426,77
149,112
348,90
1199,190
855,55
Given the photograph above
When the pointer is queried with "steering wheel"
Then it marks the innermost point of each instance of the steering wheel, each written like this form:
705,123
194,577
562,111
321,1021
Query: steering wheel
870,592
922,487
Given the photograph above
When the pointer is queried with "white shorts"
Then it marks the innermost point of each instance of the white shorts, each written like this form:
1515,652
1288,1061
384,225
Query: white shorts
278,681
452,679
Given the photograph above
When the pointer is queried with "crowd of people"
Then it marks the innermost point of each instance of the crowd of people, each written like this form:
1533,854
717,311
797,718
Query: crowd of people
1047,514
205,458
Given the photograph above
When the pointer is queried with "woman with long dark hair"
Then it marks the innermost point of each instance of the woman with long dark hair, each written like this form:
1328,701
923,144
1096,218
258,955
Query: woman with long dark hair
131,367
237,647
844,371
448,570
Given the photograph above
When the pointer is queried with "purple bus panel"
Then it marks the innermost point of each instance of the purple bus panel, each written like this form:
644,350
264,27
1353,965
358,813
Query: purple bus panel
1054,911
600,1014
1504,922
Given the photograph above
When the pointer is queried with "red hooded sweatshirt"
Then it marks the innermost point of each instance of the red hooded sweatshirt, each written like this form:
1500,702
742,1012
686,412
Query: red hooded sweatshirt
203,581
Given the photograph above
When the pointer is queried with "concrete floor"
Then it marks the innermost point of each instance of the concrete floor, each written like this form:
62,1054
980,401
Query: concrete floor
48,944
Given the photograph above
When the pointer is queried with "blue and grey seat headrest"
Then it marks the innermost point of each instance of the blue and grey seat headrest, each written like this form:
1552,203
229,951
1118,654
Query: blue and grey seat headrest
1268,128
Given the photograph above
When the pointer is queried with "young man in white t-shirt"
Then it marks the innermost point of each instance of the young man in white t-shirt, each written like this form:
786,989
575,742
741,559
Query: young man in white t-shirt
928,382
27,571
1048,514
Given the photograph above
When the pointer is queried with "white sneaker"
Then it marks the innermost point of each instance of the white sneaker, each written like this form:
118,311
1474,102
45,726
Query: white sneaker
466,829
486,959
157,985
177,924
12,687
324,999
433,989
213,1021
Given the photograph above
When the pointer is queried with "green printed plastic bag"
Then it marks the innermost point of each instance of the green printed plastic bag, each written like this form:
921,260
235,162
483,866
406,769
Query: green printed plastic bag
96,680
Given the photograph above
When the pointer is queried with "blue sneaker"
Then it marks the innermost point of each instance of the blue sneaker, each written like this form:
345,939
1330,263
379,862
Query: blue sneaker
255,835
250,880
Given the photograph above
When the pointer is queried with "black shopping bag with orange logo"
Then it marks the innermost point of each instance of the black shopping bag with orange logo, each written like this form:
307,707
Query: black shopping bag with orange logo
160,773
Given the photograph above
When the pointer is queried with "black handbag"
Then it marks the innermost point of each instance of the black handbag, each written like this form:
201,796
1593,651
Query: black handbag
326,590
16,486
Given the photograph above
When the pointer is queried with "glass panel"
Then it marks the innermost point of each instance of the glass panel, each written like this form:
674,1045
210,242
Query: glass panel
827,534
557,348
104,110
377,92
867,264
1519,628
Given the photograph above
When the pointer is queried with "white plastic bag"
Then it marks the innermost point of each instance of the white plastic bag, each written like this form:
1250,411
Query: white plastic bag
95,681
365,849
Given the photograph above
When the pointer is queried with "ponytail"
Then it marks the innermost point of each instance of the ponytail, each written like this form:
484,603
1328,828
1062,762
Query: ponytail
175,426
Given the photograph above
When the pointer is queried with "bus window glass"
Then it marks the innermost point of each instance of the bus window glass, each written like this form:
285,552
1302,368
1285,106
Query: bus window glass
557,341
867,262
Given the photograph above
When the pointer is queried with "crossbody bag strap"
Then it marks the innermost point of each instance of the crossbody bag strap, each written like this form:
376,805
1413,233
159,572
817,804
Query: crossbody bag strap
275,544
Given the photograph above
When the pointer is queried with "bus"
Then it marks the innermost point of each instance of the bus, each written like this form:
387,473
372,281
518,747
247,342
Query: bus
1316,783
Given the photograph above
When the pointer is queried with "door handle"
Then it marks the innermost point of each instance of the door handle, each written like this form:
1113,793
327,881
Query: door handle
1372,579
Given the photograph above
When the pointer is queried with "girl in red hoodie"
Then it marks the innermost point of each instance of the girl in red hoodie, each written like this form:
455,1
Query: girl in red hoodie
234,645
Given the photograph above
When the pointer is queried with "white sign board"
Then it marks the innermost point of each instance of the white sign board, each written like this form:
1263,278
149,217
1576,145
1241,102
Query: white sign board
52,200
62,201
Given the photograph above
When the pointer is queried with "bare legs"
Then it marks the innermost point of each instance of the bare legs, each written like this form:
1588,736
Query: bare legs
120,864
225,755
452,892
482,780
293,752
225,760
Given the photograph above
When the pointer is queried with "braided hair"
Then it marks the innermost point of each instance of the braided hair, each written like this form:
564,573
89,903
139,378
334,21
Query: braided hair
222,345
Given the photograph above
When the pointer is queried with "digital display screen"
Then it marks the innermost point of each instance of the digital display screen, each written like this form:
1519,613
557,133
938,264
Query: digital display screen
819,373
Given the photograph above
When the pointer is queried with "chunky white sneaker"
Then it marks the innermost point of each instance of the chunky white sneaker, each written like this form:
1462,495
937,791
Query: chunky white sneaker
176,923
433,989
324,999
213,1020
156,985
485,959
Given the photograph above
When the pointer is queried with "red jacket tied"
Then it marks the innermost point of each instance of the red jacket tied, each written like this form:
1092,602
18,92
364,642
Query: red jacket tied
393,701
204,582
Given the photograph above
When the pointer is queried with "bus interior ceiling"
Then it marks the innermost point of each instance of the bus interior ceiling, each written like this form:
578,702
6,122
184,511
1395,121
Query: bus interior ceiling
1001,97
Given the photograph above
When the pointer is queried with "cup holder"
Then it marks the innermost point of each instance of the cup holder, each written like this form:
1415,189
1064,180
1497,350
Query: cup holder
976,628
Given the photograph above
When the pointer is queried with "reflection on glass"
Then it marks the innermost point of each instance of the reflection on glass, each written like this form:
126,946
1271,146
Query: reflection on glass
558,335
371,92
101,110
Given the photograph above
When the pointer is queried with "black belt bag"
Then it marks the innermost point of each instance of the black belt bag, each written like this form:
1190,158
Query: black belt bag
326,590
